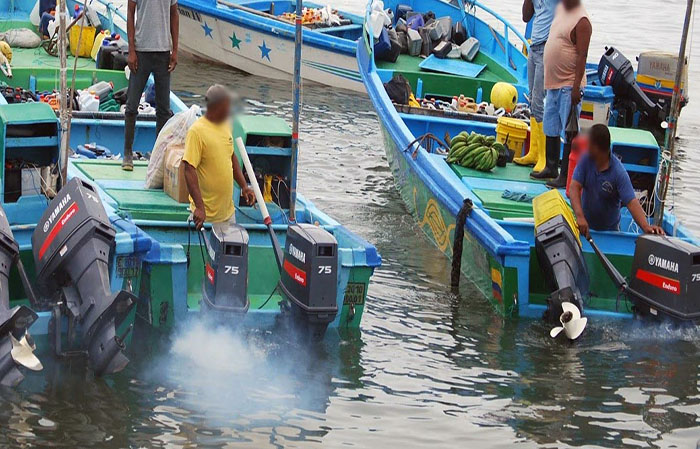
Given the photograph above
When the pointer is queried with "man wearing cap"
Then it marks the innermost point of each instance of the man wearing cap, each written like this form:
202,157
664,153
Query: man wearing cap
211,164
153,27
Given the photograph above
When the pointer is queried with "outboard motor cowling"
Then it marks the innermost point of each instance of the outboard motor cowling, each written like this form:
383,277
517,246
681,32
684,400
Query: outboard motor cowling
225,286
561,259
309,276
16,345
665,279
616,70
72,243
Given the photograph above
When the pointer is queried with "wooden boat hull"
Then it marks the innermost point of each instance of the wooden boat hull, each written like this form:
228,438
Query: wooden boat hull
264,47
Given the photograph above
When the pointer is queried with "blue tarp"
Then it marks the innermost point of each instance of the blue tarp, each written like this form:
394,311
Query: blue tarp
452,66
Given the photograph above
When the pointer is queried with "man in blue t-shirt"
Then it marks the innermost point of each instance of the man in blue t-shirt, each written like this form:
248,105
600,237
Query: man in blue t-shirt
601,186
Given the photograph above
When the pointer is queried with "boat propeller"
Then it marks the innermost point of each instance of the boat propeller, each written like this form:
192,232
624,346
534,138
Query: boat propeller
571,322
16,345
23,352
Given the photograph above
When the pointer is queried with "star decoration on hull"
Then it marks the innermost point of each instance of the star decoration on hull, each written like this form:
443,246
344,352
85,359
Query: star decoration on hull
264,51
235,42
207,31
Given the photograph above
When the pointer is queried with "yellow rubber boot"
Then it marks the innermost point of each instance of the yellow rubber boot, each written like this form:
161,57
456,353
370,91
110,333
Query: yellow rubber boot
532,157
541,147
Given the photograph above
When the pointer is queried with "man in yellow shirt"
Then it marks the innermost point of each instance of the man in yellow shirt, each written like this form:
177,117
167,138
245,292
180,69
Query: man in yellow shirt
211,164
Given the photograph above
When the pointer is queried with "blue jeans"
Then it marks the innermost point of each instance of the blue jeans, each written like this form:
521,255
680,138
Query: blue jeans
535,80
557,106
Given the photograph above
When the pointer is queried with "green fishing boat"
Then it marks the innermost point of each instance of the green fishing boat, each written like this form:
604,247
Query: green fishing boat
155,265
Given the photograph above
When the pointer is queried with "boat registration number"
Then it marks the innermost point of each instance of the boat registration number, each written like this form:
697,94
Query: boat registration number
128,266
354,293
190,14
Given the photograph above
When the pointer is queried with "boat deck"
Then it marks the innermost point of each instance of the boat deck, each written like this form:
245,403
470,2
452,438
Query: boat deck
490,186
38,58
127,191
446,84
34,68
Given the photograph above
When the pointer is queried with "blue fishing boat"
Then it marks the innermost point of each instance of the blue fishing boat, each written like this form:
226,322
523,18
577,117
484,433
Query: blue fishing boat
257,37
472,215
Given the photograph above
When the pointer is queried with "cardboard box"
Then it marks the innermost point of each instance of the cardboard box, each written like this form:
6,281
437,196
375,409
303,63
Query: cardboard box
174,174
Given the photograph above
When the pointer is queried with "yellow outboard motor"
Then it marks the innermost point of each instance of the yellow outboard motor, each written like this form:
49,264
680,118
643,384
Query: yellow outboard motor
559,254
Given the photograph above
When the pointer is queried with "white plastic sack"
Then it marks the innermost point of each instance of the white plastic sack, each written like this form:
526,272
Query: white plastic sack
173,133
378,18
328,17
21,37
34,15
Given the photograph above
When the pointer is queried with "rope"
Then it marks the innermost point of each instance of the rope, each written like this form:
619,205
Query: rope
464,212
426,141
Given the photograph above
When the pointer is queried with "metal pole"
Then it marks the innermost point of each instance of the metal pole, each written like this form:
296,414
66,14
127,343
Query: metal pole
63,89
296,88
669,140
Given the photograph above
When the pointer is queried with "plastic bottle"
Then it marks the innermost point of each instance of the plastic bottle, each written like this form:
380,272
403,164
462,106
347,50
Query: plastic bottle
90,103
99,41
101,89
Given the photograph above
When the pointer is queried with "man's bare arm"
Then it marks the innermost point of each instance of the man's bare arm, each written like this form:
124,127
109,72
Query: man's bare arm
575,190
246,191
131,32
174,33
641,218
199,214
582,38
528,10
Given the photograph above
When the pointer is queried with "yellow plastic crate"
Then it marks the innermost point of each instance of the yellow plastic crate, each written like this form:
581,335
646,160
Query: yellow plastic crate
550,204
87,39
512,132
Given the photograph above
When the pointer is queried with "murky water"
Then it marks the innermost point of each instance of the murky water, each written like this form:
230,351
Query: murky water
429,368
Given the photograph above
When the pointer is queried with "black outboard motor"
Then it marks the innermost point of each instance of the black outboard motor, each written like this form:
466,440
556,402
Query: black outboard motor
665,278
309,276
561,259
16,345
71,244
616,70
225,289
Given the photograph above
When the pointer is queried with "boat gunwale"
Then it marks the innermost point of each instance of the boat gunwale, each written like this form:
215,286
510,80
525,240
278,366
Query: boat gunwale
278,28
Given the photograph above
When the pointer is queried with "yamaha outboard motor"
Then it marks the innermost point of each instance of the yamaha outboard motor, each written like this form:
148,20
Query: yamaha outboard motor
616,70
561,259
16,345
72,243
664,283
309,277
225,288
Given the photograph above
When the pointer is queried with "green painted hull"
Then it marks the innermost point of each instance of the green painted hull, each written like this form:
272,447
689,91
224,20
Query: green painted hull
496,282
171,276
